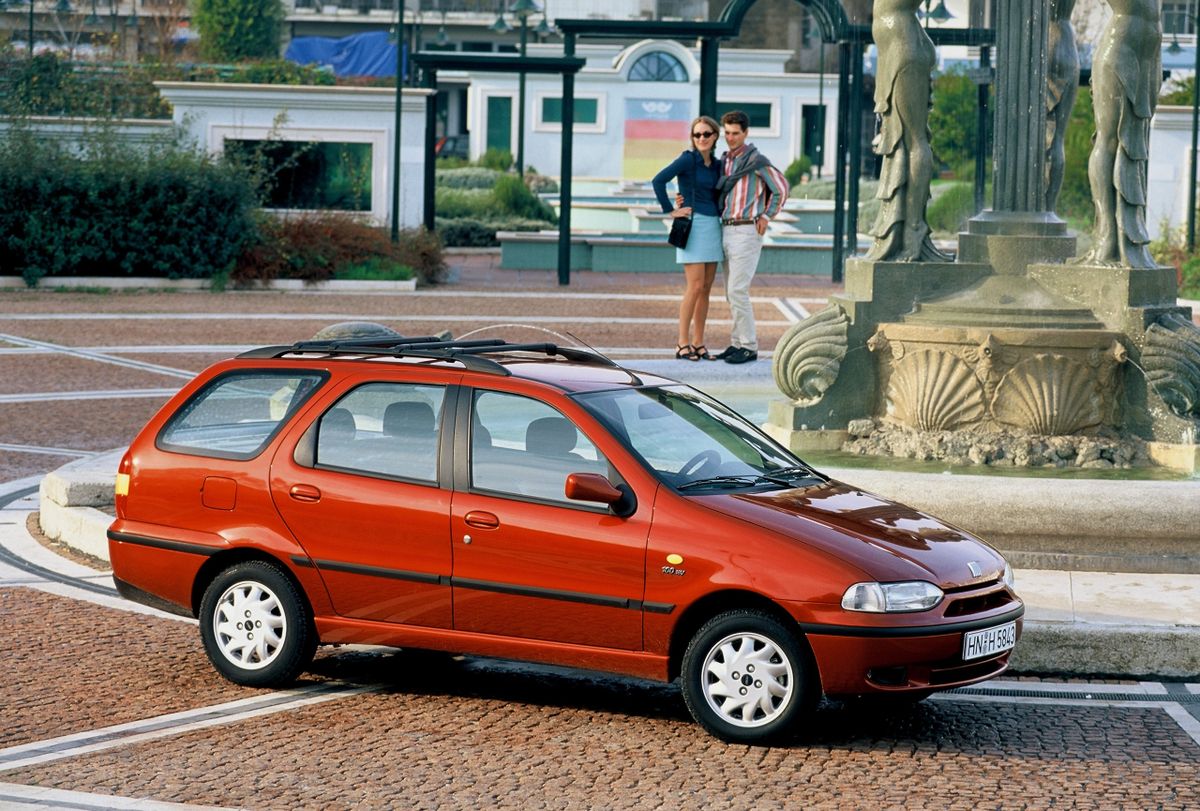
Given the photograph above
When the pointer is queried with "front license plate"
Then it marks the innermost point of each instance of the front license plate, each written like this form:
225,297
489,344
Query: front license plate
978,644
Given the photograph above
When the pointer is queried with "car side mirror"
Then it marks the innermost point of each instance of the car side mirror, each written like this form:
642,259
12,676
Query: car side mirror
594,487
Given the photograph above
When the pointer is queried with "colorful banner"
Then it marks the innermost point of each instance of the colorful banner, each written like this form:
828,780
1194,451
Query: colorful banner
656,131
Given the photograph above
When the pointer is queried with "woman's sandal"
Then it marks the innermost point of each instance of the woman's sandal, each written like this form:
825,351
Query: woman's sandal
686,352
701,353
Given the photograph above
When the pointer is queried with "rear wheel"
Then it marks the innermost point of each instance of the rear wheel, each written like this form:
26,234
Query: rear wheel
256,627
747,678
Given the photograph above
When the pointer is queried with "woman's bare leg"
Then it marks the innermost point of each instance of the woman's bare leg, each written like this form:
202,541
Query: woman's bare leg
693,273
700,313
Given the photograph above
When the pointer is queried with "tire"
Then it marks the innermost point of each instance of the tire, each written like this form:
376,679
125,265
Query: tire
282,640
724,692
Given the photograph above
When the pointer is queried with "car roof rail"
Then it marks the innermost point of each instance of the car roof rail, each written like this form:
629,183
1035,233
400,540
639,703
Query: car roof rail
468,353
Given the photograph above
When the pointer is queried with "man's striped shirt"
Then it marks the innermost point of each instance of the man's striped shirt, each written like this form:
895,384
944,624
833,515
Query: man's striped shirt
761,192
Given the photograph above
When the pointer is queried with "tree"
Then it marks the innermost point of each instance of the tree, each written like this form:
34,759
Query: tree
231,30
952,119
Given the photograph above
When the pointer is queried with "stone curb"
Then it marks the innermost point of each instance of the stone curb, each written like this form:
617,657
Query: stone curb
146,283
1108,650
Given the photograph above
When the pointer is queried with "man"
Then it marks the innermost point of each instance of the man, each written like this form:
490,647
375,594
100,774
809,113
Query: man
752,193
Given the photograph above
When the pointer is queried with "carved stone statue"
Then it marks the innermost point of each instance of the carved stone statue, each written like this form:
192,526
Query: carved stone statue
1126,75
1062,78
902,84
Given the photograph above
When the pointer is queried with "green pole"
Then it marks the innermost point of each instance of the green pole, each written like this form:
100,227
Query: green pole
1191,234
521,100
396,124
564,185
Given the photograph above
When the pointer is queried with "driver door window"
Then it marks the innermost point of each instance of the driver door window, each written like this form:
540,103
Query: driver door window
525,448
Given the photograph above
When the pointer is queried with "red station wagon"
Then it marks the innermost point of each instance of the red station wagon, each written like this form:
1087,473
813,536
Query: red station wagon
541,503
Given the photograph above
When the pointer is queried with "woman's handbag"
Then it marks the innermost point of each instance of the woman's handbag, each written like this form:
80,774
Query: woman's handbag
681,228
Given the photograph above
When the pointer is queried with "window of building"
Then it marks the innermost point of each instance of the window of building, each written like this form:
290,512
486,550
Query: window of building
589,113
760,113
1177,18
658,66
312,175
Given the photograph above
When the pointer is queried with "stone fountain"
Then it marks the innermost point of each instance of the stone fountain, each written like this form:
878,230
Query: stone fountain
1014,336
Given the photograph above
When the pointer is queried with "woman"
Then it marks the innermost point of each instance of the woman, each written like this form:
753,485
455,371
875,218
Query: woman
698,171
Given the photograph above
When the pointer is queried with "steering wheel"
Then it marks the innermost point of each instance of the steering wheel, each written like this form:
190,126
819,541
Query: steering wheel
699,462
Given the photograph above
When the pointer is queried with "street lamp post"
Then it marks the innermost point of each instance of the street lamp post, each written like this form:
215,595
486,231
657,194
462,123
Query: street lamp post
1191,229
396,126
522,9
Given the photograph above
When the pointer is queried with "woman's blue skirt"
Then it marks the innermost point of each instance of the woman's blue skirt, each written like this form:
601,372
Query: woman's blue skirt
704,243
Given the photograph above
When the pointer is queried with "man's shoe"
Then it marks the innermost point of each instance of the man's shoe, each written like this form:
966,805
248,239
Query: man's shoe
724,353
741,355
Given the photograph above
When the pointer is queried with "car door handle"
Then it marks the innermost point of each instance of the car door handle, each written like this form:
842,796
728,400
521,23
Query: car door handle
305,492
481,520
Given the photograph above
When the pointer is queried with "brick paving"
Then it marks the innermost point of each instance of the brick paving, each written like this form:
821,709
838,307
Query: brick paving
472,733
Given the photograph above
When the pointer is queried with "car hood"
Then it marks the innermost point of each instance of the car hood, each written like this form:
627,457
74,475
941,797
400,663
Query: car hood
889,541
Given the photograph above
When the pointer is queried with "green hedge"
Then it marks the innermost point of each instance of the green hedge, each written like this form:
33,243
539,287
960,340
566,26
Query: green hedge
469,232
116,212
467,177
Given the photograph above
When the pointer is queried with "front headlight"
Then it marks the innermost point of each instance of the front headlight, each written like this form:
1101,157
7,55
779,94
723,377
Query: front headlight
1010,579
880,598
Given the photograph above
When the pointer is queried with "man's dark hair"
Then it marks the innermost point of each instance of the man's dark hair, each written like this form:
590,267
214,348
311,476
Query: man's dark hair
736,117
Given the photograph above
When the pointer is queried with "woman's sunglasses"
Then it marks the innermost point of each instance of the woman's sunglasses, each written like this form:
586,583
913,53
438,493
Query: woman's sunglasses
706,134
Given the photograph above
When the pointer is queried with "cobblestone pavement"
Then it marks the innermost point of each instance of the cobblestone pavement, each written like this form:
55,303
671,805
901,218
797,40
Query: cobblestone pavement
102,707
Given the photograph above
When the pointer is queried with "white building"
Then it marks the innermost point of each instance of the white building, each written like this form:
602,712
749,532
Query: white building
633,106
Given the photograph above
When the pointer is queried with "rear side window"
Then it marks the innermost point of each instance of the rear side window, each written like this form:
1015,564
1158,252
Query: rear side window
238,414
384,429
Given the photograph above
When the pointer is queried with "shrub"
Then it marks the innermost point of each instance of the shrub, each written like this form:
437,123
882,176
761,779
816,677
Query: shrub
48,85
1178,91
469,232
1075,199
315,247
540,184
952,118
498,159
1189,278
109,210
514,197
468,177
797,169
231,30
454,203
950,210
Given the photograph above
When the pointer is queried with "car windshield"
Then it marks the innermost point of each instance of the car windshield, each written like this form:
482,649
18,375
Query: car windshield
693,442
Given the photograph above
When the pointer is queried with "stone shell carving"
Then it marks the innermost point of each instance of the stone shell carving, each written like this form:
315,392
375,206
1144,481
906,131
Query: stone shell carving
809,355
934,391
1171,360
1048,395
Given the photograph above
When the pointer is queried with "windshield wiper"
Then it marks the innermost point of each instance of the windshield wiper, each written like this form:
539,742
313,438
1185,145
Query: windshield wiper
796,470
734,481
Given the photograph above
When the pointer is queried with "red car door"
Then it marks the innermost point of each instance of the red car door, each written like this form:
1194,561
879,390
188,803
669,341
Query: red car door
528,562
359,486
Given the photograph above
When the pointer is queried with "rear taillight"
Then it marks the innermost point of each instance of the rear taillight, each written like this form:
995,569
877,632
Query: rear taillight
121,489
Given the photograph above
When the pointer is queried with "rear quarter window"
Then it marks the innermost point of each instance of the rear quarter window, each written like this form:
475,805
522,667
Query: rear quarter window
238,414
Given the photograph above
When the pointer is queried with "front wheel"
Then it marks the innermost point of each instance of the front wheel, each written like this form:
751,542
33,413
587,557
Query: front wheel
256,627
747,678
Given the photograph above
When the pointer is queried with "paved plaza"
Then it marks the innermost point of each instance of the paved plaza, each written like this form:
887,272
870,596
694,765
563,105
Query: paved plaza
105,704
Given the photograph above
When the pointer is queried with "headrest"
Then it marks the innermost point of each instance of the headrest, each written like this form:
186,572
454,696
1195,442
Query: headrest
409,419
338,425
551,436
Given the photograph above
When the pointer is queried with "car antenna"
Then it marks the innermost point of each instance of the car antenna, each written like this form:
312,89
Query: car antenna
637,381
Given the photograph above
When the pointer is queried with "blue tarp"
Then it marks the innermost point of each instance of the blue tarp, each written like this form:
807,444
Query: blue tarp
369,54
